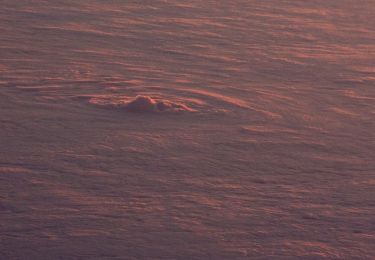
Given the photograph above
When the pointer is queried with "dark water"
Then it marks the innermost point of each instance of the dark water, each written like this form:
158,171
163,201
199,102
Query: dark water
264,147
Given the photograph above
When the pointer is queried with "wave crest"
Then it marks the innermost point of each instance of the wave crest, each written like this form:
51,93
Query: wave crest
141,104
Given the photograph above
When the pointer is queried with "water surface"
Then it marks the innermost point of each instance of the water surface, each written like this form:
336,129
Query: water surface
270,152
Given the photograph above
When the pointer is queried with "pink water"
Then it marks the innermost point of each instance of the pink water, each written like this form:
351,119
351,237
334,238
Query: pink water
170,129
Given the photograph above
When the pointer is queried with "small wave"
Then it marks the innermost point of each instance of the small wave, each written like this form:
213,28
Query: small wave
140,104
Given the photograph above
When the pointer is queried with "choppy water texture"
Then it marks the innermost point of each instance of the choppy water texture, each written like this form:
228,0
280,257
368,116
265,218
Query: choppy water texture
187,129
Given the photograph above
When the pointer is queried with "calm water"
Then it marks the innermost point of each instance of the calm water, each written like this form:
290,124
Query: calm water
272,155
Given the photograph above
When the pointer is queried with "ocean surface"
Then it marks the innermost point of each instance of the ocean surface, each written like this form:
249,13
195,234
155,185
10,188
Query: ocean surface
171,129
